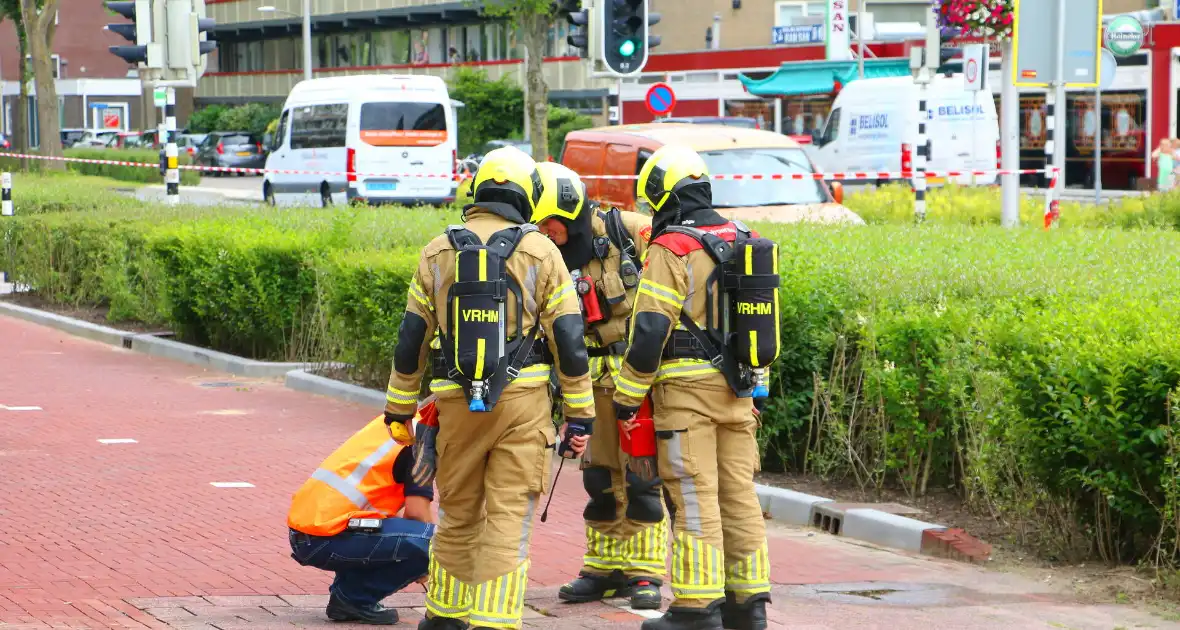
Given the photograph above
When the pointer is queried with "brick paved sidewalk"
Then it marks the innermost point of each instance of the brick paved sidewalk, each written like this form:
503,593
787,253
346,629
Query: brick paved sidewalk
133,534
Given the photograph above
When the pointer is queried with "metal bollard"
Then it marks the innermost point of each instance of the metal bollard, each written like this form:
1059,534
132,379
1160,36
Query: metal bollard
6,194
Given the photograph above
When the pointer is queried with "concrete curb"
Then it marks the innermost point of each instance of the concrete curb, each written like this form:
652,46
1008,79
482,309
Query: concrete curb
76,327
153,345
870,525
193,355
304,381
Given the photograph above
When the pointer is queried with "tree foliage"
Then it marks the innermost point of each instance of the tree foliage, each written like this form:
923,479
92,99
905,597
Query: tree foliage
252,117
493,110
533,17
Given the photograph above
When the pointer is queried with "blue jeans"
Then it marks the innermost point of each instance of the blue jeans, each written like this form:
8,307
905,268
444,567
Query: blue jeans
369,566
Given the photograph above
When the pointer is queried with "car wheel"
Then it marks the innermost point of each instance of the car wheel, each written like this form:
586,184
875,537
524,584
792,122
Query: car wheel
268,194
325,196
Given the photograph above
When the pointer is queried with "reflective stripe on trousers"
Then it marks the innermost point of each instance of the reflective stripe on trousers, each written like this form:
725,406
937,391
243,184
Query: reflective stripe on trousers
750,576
642,554
697,569
447,596
499,603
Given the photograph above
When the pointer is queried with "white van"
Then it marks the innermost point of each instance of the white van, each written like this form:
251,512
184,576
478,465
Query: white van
873,127
385,138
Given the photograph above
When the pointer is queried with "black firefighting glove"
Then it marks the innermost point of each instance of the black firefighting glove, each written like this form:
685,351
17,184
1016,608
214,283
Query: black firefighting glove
403,418
624,413
425,456
574,427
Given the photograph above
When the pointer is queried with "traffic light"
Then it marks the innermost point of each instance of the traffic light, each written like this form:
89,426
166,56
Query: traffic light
653,40
188,38
625,38
579,21
204,45
138,32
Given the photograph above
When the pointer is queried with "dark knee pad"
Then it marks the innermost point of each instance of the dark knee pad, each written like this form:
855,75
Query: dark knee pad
643,499
602,506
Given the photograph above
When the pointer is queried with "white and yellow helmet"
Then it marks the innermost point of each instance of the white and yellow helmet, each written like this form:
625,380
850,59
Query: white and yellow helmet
512,170
669,169
563,194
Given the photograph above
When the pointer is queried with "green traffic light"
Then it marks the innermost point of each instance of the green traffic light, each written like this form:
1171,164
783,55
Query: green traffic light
627,48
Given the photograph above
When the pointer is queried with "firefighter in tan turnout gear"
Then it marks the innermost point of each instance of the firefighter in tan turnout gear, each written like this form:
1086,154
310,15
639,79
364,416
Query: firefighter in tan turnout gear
626,534
506,313
704,328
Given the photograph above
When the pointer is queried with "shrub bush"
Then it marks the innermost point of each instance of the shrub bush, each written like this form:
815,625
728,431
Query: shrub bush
49,191
1033,370
980,205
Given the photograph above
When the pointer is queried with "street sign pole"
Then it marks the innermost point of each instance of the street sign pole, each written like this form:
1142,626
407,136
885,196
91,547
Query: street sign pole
1009,142
1059,106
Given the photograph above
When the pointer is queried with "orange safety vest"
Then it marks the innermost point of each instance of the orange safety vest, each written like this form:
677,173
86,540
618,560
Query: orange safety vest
356,481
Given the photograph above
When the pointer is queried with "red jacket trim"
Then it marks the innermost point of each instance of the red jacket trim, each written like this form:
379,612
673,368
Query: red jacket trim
683,244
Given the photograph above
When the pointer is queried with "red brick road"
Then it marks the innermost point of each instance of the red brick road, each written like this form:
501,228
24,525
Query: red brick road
134,534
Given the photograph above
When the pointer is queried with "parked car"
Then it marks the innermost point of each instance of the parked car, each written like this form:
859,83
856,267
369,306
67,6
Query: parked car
71,136
623,150
731,121
95,138
131,140
231,149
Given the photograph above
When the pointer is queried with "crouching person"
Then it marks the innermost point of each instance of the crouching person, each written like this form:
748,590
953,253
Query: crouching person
345,519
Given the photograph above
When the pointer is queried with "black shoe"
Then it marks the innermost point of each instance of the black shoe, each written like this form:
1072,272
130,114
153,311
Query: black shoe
748,616
686,619
442,623
645,594
591,588
377,615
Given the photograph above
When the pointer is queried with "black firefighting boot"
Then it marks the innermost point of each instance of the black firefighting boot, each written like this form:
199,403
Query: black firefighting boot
645,593
686,619
748,616
374,614
442,623
591,588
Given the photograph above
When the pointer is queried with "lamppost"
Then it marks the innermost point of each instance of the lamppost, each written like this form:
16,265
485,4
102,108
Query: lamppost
306,33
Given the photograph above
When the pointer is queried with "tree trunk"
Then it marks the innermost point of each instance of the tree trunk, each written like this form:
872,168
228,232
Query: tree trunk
20,113
535,31
39,29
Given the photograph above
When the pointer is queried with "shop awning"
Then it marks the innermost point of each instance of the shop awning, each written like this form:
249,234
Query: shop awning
820,77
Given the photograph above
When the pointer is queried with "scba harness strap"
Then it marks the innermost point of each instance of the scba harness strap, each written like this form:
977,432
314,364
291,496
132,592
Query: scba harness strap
724,345
474,345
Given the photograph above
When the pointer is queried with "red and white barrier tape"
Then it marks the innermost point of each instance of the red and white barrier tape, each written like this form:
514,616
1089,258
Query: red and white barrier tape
858,175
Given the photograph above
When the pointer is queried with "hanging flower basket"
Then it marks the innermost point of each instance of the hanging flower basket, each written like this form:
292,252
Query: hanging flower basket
989,19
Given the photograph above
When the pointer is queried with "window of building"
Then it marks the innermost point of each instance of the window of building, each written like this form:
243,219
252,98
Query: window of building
788,12
319,126
474,48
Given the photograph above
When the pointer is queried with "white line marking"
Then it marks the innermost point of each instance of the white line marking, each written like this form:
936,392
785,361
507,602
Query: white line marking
647,614
117,441
231,484
7,408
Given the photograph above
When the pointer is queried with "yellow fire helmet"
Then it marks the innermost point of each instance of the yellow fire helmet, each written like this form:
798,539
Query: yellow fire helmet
506,173
669,169
563,196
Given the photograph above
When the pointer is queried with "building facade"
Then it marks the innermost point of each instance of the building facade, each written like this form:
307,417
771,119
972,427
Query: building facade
260,47
95,88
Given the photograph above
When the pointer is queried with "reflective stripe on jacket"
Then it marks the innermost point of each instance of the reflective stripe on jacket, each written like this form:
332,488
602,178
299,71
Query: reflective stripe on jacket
356,481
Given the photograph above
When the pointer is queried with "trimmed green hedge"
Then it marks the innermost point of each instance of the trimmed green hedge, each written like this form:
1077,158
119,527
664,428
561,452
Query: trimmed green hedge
137,174
1032,370
980,205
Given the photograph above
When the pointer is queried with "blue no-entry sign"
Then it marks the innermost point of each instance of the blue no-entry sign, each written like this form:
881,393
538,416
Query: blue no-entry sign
660,99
